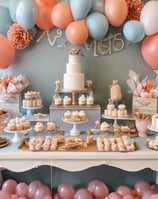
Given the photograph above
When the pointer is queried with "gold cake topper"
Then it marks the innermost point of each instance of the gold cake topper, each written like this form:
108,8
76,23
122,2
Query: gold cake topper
76,52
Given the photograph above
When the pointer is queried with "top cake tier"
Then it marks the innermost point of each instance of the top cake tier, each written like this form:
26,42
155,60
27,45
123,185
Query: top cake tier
74,79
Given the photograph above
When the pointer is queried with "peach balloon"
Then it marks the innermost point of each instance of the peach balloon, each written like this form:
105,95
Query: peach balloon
7,52
116,12
149,50
61,15
44,12
77,32
49,3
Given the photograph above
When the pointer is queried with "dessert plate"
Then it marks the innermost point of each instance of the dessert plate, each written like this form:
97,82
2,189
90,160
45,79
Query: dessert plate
152,129
4,141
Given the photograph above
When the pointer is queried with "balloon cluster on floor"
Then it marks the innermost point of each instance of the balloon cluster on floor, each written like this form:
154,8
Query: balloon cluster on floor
81,20
96,189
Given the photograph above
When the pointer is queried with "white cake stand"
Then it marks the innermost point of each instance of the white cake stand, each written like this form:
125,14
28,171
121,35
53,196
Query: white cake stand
17,134
127,117
74,131
152,129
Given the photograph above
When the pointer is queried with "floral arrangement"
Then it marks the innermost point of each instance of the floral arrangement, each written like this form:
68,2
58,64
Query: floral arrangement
19,37
11,84
143,88
143,116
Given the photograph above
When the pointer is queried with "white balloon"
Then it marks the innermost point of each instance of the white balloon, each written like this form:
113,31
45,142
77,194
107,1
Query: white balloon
149,17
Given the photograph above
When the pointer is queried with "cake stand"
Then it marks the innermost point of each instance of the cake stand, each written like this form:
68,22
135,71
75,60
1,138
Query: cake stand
30,110
152,129
118,118
17,134
74,131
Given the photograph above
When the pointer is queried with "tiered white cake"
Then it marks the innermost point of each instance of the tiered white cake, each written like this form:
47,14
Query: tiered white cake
74,79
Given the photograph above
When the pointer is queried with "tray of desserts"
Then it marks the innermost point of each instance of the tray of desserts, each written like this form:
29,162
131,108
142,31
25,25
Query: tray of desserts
78,144
4,141
152,144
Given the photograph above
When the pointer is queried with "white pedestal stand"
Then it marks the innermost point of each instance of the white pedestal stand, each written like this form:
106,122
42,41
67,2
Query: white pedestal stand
74,131
17,134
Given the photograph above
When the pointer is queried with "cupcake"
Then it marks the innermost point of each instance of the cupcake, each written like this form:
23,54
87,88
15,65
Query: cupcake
57,100
67,115
11,126
82,100
39,127
75,116
90,100
104,126
51,126
26,125
82,115
67,100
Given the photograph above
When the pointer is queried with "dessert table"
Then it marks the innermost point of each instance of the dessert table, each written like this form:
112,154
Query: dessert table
16,159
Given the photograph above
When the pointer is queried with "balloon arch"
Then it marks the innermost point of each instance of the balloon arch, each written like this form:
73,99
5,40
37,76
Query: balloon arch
79,21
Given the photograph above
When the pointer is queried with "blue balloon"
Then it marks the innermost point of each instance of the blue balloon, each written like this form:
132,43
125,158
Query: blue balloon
133,31
5,20
26,14
80,8
98,25
12,9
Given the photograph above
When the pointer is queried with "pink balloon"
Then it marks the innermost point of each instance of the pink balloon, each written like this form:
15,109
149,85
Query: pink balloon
22,189
22,197
32,187
9,186
123,189
65,190
56,196
4,194
57,17
101,190
98,188
44,11
154,188
7,51
42,191
14,196
116,12
149,50
114,195
77,32
82,193
128,196
154,196
47,197
146,194
141,186
92,185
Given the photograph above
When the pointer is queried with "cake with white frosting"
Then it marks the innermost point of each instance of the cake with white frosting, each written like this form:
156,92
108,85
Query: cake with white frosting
74,79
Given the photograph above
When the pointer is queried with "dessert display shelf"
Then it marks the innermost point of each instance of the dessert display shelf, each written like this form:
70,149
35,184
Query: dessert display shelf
74,93
15,159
